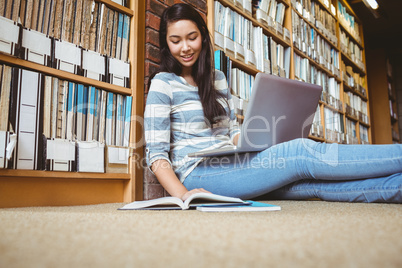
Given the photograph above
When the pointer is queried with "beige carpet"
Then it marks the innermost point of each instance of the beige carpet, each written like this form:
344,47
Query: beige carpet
303,234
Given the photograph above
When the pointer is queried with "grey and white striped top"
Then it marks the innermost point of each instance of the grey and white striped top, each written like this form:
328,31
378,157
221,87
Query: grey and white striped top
175,124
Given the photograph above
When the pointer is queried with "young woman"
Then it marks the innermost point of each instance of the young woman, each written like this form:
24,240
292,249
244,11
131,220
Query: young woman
189,108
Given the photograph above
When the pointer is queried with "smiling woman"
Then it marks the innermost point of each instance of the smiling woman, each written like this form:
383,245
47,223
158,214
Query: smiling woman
185,43
189,108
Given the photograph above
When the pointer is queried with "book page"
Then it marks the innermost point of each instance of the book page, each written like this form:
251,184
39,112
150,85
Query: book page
159,203
202,198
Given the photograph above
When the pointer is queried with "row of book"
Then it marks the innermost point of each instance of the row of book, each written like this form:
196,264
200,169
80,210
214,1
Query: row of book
37,47
356,107
331,127
351,131
354,80
307,40
392,110
352,135
352,50
334,129
364,138
239,82
240,39
85,23
316,15
307,72
40,110
276,59
317,130
395,136
271,13
348,21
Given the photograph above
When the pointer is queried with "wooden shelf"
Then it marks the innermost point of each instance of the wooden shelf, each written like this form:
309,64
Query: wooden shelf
14,61
115,6
320,139
33,174
355,67
52,188
357,42
242,65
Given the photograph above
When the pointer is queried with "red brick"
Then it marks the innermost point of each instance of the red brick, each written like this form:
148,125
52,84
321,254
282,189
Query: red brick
152,37
169,2
155,7
152,21
152,53
149,177
198,4
154,191
150,68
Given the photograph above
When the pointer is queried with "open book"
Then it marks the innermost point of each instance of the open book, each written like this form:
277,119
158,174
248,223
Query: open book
193,201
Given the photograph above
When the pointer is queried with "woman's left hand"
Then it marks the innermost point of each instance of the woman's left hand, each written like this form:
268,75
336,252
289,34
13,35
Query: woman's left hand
194,191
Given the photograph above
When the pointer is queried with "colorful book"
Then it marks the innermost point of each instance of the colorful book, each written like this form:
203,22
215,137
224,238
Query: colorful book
250,206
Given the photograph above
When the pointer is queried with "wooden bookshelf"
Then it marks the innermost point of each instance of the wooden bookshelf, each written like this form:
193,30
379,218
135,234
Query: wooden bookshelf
356,64
49,188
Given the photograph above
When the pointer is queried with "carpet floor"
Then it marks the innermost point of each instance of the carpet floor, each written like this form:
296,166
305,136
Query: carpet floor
302,234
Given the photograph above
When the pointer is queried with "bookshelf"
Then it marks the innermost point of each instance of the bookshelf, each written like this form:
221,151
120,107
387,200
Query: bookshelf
393,104
326,47
44,188
382,89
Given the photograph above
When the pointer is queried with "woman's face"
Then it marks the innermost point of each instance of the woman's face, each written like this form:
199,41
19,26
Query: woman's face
184,40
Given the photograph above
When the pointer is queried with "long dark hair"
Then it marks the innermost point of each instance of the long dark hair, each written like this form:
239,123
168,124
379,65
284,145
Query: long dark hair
203,72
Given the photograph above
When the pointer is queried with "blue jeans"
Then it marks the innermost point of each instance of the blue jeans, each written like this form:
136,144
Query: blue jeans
302,168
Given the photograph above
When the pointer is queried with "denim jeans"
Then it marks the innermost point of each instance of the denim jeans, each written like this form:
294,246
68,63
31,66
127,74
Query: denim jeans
302,168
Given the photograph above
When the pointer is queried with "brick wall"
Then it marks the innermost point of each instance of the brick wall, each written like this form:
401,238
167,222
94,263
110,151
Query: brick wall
154,9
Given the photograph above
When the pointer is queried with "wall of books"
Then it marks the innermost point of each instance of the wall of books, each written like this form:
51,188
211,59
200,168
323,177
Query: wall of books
316,41
67,91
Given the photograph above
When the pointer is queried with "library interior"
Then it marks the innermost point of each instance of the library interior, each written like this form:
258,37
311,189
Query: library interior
74,78
74,74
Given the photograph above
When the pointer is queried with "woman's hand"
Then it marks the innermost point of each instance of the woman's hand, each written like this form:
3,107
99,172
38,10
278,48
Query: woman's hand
194,191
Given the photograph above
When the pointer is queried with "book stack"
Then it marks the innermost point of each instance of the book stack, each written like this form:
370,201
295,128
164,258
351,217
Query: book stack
60,123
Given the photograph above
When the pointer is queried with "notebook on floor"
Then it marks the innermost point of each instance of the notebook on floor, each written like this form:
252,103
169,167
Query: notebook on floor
279,110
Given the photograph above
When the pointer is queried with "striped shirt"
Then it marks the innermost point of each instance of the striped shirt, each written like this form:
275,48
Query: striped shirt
175,124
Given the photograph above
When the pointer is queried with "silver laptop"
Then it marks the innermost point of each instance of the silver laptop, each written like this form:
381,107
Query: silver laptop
279,110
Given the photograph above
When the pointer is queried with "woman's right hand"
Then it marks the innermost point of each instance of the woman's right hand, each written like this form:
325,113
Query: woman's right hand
194,191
